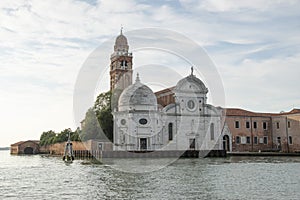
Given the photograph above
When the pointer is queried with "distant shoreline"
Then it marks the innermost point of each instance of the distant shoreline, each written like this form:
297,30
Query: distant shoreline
4,148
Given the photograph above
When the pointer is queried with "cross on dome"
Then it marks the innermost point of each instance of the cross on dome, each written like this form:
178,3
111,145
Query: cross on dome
137,77
121,30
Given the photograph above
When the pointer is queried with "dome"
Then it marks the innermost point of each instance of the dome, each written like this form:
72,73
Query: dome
191,84
137,97
121,43
121,40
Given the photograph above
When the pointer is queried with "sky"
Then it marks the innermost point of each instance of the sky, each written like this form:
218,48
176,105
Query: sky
255,46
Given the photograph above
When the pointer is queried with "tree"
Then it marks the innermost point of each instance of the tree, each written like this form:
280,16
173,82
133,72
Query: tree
75,135
47,137
103,101
103,111
63,135
91,128
50,137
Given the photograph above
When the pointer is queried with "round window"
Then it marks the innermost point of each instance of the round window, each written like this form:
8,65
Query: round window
143,121
191,104
123,121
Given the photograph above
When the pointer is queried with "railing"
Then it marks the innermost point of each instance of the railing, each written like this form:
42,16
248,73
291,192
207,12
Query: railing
86,154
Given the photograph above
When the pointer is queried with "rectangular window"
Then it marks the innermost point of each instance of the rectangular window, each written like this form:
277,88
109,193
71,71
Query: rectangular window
255,125
265,140
277,125
261,140
247,124
100,146
255,140
290,140
243,140
170,131
265,125
212,131
237,124
238,140
248,141
289,124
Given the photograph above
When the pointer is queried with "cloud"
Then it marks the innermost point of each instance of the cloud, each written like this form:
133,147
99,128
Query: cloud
255,46
266,85
233,5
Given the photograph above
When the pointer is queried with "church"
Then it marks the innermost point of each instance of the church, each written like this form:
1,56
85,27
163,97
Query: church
174,119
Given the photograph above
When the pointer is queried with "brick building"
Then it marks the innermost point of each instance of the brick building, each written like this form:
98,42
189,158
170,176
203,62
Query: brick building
25,147
264,131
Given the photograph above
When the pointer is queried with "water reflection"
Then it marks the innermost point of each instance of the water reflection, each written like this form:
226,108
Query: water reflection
41,177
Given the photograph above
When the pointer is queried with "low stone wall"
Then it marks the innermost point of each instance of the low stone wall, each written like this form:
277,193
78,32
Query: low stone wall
90,145
163,154
59,148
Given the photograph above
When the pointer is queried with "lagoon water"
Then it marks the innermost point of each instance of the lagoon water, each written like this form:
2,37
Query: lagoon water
42,177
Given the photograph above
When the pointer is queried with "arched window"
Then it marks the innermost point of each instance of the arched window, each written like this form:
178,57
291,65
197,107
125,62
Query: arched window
212,131
170,129
124,64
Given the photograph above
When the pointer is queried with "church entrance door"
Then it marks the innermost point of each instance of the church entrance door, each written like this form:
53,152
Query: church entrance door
143,143
192,144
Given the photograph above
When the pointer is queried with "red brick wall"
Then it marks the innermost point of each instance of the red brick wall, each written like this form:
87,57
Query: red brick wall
33,145
243,132
59,148
165,97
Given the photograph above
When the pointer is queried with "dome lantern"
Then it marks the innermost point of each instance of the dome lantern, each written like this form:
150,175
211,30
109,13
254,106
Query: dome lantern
121,44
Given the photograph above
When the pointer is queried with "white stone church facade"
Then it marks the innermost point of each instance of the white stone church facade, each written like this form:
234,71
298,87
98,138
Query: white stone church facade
140,124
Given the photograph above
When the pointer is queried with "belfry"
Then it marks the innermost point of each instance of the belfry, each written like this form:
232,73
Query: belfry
121,64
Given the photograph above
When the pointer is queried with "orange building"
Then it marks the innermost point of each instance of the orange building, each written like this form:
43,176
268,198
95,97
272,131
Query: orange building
25,147
255,132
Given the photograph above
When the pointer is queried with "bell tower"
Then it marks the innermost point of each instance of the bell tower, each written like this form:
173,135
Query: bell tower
120,64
